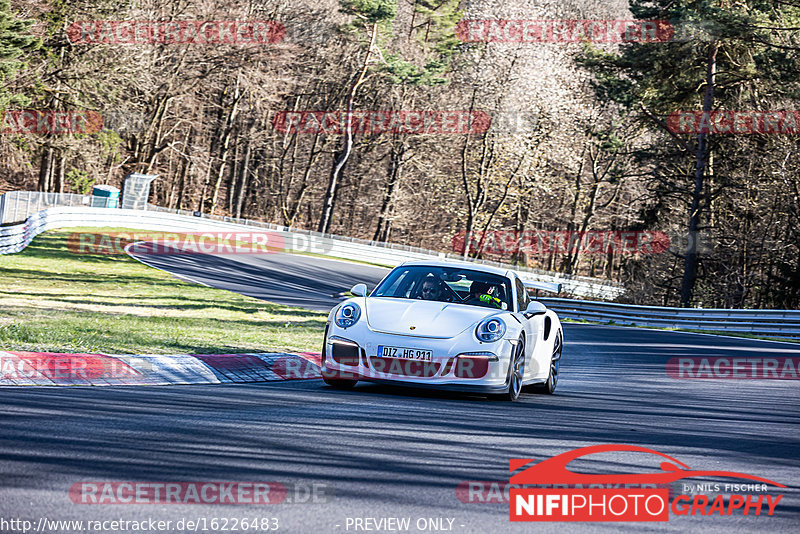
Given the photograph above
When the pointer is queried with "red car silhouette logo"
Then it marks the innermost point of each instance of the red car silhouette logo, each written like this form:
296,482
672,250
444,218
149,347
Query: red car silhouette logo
554,470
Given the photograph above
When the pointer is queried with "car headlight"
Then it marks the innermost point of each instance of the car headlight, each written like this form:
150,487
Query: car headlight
490,329
348,315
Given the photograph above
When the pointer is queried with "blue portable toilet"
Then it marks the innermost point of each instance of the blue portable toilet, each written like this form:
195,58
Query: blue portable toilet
105,196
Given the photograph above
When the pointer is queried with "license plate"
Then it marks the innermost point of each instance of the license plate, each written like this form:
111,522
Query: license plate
403,353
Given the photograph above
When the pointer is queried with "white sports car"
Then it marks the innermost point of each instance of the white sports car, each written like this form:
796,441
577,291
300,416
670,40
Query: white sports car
448,325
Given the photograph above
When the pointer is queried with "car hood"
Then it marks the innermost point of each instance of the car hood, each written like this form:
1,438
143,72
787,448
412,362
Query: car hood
421,317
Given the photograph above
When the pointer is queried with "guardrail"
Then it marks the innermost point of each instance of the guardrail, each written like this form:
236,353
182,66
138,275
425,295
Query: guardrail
771,323
774,323
18,205
577,285
15,238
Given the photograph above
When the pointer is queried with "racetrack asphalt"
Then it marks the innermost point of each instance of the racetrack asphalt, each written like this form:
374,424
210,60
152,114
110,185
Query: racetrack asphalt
383,452
291,279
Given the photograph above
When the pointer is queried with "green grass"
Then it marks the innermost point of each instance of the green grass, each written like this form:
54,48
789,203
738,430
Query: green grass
52,300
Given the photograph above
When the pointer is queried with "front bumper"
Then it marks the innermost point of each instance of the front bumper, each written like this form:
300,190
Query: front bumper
452,367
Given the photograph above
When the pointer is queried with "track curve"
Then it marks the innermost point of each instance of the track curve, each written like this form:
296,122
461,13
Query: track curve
291,279
384,452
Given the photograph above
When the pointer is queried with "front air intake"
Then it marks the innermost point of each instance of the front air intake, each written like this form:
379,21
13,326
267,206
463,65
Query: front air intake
345,354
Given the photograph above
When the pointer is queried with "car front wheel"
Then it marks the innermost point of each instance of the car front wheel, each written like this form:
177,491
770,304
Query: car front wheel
555,364
516,370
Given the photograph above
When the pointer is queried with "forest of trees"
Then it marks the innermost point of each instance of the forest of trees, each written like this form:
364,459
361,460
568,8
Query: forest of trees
579,140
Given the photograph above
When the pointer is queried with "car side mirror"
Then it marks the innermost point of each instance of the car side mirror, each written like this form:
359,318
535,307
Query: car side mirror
359,290
535,308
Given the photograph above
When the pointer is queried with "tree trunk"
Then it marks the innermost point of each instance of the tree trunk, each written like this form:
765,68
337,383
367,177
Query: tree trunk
395,173
341,157
60,173
245,172
473,204
46,169
233,179
226,146
186,163
291,208
576,199
182,183
212,147
588,214
691,259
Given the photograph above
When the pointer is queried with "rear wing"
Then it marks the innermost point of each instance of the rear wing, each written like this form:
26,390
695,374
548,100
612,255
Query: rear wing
544,286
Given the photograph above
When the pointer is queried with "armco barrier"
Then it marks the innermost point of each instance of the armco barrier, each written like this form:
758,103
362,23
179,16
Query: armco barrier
777,323
15,238
576,285
772,323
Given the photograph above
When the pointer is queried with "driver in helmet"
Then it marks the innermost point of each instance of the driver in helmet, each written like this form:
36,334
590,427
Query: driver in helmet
483,294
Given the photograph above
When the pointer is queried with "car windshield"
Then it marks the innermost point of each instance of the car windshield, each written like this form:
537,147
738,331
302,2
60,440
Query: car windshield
447,284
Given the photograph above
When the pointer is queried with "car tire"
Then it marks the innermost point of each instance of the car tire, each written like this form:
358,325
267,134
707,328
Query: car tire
549,387
330,378
516,371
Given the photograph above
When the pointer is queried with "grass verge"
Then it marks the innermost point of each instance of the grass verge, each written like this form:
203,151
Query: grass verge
52,300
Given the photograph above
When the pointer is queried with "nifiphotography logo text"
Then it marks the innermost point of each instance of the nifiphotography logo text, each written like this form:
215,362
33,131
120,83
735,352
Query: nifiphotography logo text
586,503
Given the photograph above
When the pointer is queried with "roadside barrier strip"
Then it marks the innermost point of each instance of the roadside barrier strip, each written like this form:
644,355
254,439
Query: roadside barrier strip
59,369
15,238
770,323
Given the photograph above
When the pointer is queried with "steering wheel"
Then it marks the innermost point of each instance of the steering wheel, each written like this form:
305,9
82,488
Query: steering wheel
446,294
